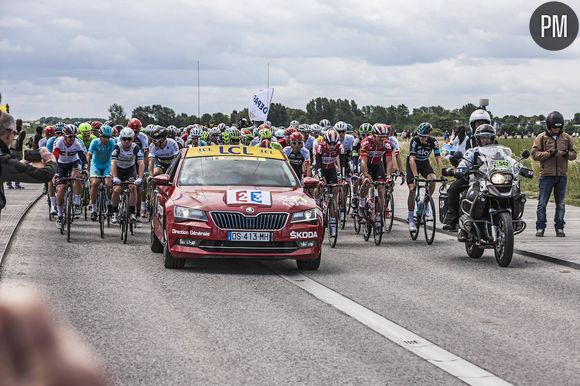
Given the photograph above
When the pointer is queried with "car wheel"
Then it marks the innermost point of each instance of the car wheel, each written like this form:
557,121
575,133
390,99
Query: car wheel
156,245
170,261
308,265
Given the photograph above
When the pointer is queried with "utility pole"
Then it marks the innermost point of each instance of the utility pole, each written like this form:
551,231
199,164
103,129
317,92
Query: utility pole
268,76
198,95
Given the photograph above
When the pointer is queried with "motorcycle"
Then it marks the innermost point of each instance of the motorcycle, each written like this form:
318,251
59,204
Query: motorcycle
491,208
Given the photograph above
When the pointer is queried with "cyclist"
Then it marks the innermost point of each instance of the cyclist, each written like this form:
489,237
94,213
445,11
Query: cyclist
374,149
49,132
85,134
127,162
269,144
226,139
346,141
96,128
420,148
298,156
396,149
99,160
162,152
194,138
324,123
70,155
142,140
285,141
328,153
214,136
294,124
50,146
234,135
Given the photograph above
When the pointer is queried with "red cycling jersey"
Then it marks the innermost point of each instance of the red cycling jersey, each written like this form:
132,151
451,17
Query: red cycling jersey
326,157
374,151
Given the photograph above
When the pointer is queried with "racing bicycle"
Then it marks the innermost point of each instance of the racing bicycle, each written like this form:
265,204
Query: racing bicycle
425,209
68,209
124,216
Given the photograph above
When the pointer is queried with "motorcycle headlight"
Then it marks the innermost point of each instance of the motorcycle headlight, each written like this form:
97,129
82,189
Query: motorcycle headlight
187,214
501,178
309,215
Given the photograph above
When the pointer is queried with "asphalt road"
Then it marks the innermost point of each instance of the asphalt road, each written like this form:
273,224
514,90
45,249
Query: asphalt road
239,322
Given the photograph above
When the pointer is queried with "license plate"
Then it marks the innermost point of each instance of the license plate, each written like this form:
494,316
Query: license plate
250,236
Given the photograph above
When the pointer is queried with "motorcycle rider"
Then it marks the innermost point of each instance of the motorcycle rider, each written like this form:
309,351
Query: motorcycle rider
478,117
484,136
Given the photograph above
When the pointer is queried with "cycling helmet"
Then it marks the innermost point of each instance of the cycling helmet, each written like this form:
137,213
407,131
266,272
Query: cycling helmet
348,128
59,126
555,120
294,123
106,131
279,133
315,130
246,131
221,127
247,139
484,131
127,132
158,133
85,128
96,125
380,129
243,122
324,123
214,131
289,131
68,130
226,138
134,124
117,129
196,132
265,133
108,123
265,143
365,129
424,129
304,128
296,137
340,126
479,115
205,136
331,137
234,133
49,130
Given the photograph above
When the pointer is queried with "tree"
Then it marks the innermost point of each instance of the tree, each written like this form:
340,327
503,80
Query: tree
577,118
117,114
278,114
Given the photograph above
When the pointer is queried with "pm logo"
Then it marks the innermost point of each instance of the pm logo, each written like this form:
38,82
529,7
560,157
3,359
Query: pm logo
554,26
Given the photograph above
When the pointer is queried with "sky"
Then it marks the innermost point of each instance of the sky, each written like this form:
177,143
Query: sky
75,58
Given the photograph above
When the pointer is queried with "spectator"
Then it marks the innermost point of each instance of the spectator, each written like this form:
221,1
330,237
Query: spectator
553,148
37,137
460,140
14,170
16,149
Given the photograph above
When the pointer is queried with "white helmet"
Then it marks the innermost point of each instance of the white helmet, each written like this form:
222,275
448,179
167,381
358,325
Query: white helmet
127,133
294,123
479,115
279,133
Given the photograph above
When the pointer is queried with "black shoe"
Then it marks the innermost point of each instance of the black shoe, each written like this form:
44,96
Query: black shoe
449,227
93,216
560,233
539,233
462,236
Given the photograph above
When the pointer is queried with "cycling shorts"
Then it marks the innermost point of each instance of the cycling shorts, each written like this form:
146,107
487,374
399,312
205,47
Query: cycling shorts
377,172
423,168
98,171
64,170
330,176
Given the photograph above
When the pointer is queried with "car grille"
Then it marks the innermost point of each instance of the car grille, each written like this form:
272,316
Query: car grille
223,246
235,220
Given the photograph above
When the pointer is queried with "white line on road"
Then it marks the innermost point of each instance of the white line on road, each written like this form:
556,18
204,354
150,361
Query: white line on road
446,361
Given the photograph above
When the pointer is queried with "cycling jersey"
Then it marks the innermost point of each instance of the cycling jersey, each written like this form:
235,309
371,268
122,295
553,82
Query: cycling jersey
297,159
200,143
423,151
179,142
50,143
325,158
143,141
347,142
374,150
66,154
394,145
308,143
166,154
127,159
101,154
42,142
87,143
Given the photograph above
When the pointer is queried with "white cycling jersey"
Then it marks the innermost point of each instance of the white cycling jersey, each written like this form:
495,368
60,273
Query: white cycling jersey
67,154
167,153
127,158
347,142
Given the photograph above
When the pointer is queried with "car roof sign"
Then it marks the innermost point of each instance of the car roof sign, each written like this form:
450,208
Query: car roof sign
234,150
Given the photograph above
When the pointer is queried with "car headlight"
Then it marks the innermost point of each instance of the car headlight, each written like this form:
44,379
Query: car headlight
501,179
309,215
187,214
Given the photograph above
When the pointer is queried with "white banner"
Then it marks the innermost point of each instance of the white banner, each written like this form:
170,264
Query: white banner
260,105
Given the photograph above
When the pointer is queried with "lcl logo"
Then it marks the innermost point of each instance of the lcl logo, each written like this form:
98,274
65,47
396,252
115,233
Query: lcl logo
554,26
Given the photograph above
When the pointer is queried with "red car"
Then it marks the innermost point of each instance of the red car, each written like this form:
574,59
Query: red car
234,202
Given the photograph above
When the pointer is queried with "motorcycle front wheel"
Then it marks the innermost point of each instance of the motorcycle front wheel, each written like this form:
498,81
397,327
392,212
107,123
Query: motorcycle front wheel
504,246
473,250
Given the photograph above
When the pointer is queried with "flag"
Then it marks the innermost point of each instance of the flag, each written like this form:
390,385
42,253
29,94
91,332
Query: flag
260,105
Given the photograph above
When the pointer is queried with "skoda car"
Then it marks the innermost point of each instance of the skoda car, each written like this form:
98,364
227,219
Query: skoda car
234,202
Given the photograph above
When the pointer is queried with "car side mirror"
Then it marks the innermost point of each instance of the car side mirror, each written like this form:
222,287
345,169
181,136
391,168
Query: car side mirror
310,183
162,180
525,154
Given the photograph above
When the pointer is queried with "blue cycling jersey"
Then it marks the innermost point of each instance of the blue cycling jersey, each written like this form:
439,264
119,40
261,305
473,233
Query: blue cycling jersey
101,154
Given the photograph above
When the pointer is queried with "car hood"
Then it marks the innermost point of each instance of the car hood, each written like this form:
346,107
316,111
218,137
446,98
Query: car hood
234,198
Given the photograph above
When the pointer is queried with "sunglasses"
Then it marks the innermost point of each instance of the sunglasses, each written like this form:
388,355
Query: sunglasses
70,136
297,143
126,139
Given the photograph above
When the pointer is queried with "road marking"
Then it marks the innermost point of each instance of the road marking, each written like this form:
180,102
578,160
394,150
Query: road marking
446,361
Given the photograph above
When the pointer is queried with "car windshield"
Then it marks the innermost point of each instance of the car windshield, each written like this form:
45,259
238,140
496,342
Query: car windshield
223,171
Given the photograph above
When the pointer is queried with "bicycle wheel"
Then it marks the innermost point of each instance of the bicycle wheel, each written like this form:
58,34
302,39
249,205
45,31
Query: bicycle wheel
85,200
378,228
429,222
329,209
120,214
367,224
418,221
126,220
69,214
348,195
101,212
50,217
356,220
343,212
389,214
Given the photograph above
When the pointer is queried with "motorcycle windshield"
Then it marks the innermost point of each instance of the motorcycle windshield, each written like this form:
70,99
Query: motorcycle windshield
497,158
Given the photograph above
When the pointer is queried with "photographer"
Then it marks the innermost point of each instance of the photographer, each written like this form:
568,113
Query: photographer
553,148
16,149
14,170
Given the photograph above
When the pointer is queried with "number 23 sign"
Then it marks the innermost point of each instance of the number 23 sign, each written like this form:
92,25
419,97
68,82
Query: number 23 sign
252,197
